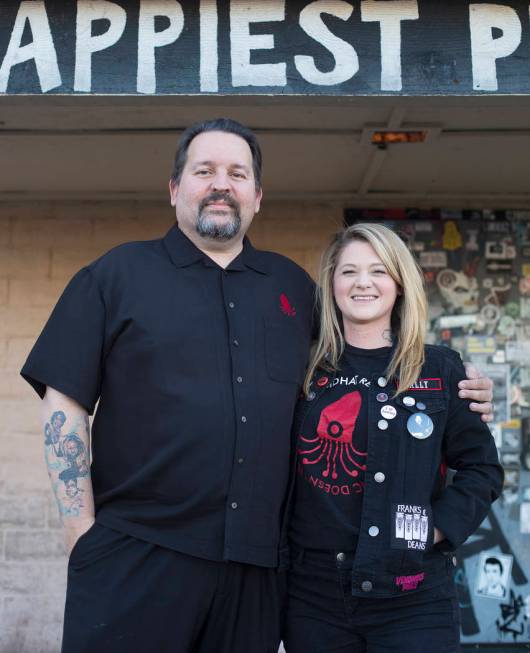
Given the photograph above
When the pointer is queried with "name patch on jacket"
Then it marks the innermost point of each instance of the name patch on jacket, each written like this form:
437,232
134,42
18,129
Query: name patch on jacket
410,526
427,384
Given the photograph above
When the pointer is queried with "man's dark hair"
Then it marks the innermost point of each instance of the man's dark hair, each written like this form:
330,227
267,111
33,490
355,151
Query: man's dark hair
493,561
218,125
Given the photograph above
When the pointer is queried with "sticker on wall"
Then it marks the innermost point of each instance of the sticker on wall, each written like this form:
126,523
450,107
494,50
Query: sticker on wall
511,435
518,351
493,575
459,291
524,308
524,518
451,239
480,345
436,259
503,250
472,244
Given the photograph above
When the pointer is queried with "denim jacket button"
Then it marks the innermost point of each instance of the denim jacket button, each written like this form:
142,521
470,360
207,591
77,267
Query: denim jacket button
379,477
366,586
341,557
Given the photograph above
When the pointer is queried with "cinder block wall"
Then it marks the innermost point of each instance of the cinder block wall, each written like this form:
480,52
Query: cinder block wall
41,246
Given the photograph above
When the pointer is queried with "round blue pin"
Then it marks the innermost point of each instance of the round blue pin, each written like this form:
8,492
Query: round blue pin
420,426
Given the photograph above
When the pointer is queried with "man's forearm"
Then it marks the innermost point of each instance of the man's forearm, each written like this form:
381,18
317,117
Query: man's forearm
67,453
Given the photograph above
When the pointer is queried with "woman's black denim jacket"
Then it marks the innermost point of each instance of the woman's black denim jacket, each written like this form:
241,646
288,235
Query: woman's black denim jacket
415,480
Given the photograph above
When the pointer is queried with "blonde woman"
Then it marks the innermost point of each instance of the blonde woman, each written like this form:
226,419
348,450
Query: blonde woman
373,522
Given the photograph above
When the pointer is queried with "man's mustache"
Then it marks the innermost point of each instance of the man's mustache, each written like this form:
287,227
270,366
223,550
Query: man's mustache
218,197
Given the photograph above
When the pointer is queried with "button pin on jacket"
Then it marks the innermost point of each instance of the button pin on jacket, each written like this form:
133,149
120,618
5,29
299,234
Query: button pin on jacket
381,382
420,405
382,424
420,426
322,381
388,412
311,396
382,397
409,401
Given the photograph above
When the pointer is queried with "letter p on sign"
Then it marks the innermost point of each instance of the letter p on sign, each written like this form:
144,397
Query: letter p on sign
485,50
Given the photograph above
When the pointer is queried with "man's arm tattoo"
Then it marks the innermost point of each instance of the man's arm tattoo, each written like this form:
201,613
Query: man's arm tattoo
68,461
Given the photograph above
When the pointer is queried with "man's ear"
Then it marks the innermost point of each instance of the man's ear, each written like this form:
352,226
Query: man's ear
257,203
173,187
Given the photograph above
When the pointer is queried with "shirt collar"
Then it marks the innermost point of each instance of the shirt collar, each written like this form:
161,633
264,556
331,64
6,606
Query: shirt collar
184,252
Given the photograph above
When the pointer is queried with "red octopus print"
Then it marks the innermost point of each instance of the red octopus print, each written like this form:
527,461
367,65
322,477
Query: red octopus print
333,443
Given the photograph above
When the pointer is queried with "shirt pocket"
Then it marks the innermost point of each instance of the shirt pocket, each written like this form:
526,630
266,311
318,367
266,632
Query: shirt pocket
286,350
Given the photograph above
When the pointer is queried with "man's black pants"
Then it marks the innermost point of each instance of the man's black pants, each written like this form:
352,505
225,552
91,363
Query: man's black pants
127,595
324,617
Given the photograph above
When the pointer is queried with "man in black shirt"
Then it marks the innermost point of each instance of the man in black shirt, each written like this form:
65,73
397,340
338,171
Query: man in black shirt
195,346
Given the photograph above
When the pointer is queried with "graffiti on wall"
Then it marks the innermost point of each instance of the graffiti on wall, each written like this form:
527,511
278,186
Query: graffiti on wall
477,271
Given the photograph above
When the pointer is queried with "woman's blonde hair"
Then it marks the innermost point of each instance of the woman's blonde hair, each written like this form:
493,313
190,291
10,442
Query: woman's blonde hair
409,315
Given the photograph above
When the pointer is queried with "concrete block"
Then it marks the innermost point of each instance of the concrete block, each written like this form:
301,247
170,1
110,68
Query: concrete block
5,229
110,233
53,519
20,416
89,210
32,624
24,262
21,478
3,291
27,210
23,512
22,321
18,446
13,386
34,292
30,578
17,350
64,264
57,233
3,351
34,546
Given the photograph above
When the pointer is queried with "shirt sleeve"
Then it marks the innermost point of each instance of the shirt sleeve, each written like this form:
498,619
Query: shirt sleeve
469,449
68,353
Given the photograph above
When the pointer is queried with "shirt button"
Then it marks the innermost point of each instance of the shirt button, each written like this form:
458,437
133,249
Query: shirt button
366,586
341,557
379,477
243,419
240,379
235,343
231,305
240,461
233,505
373,531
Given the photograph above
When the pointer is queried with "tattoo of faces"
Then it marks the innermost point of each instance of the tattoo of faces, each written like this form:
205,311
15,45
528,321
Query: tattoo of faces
67,455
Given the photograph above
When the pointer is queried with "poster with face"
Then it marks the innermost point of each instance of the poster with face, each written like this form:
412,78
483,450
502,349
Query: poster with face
493,575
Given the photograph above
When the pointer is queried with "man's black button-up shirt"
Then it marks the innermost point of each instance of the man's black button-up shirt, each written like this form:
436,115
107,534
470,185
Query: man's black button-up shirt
197,370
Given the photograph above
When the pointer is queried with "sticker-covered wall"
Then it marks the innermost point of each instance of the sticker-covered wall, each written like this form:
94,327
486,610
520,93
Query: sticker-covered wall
477,271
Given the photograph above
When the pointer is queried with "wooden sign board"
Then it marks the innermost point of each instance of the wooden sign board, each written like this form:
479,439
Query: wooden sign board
278,47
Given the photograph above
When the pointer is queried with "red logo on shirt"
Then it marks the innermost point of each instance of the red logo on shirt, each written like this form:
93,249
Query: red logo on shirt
333,444
286,307
410,582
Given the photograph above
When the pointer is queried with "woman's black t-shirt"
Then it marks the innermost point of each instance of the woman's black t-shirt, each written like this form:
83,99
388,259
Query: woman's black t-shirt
331,451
